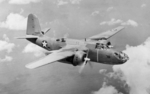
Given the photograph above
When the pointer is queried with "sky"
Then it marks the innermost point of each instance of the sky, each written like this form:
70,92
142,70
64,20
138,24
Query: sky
77,19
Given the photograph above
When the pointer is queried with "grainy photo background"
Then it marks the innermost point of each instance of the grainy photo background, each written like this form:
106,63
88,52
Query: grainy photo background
78,19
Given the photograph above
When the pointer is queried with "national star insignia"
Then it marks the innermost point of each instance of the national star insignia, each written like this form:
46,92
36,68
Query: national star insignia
44,43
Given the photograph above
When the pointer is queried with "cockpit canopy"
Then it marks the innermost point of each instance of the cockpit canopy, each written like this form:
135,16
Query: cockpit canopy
61,40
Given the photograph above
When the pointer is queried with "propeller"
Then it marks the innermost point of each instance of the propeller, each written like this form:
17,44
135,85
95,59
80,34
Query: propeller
90,64
84,63
86,60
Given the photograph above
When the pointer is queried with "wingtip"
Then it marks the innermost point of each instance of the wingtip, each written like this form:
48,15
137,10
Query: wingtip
119,28
29,66
18,38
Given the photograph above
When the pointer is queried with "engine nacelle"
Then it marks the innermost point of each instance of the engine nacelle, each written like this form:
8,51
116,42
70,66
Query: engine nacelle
78,58
103,44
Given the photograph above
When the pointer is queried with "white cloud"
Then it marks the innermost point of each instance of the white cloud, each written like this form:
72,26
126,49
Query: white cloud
1,1
107,90
6,45
130,22
23,1
111,22
32,48
118,21
61,2
134,74
75,1
14,21
136,71
95,13
6,59
110,8
102,71
5,38
143,5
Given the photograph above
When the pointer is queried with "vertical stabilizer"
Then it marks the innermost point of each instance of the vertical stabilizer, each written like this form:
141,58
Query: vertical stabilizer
33,26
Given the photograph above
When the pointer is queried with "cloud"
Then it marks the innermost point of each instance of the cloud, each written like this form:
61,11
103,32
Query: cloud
1,1
23,1
75,1
32,48
110,8
14,21
6,59
143,5
6,45
134,74
95,13
136,71
111,22
102,71
130,22
107,90
118,21
61,2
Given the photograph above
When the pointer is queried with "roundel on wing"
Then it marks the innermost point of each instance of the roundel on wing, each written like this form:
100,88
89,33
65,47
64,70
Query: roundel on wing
44,43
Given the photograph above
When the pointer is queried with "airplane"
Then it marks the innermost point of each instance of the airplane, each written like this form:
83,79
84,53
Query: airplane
73,51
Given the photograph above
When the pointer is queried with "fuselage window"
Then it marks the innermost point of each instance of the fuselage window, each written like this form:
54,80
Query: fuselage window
100,46
57,39
63,40
108,56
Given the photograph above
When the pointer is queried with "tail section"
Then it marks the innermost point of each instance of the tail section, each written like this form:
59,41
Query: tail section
33,26
33,31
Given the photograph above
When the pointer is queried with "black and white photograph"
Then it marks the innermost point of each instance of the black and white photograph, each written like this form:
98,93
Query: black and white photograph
74,47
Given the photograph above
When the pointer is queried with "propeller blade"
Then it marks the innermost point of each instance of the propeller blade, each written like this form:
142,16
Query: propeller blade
90,64
86,60
84,63
82,67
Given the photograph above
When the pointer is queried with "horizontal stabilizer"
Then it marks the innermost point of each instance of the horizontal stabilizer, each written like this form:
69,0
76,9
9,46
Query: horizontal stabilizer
27,37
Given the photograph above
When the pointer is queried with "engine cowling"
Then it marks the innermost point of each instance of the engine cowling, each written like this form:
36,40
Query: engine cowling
78,58
103,44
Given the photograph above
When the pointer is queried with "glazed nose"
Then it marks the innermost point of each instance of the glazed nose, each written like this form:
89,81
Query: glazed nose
126,58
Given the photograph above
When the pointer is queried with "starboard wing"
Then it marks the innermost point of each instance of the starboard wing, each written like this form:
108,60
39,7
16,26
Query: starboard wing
107,34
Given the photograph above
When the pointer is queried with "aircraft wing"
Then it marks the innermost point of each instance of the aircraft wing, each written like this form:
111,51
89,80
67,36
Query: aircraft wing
107,34
50,59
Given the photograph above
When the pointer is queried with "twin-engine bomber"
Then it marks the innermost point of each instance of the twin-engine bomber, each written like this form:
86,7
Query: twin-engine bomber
73,51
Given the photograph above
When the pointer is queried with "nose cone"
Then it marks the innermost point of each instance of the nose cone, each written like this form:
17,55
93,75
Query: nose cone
122,57
125,58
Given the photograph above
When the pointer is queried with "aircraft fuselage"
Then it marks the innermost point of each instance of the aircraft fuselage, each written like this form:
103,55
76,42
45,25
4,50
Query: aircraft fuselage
99,55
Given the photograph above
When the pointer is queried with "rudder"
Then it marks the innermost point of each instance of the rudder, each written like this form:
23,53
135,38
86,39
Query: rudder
33,26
